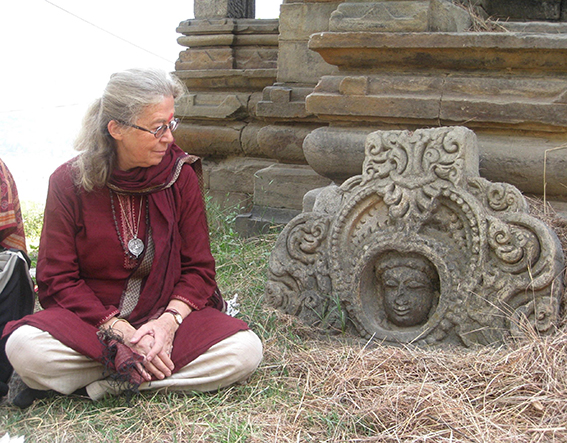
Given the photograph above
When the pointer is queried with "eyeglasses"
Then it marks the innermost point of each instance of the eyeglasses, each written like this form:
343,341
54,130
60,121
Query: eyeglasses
159,131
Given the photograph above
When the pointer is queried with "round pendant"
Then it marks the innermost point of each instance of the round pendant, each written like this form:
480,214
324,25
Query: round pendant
136,247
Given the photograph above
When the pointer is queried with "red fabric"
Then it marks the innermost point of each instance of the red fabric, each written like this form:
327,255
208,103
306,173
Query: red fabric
81,272
11,222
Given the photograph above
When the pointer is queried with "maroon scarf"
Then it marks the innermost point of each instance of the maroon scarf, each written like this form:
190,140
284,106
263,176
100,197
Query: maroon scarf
155,182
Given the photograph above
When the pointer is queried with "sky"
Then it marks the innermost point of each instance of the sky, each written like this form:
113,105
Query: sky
57,56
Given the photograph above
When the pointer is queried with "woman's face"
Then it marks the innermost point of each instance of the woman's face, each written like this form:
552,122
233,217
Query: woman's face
137,148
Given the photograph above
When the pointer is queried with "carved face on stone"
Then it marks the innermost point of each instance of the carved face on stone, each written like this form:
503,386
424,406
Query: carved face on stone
408,288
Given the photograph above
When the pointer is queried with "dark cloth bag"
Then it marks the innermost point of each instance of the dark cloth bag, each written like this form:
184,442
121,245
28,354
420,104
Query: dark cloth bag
16,297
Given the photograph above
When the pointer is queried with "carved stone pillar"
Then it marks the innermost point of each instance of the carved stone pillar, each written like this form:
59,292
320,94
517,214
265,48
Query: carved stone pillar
229,58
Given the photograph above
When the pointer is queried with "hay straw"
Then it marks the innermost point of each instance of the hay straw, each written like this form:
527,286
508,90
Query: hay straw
407,394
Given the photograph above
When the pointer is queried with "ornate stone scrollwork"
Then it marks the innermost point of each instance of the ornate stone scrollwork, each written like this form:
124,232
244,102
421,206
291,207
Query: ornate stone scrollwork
420,250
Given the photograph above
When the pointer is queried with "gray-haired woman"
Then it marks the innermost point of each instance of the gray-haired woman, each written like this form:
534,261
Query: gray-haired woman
125,273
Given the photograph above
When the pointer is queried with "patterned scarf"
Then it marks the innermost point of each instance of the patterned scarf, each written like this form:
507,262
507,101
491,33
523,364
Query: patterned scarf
11,222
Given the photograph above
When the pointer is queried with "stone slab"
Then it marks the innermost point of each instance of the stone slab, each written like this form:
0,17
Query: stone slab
284,142
225,8
213,105
192,41
241,57
232,79
502,51
284,101
228,26
336,153
236,174
298,64
253,57
523,101
232,201
283,186
206,58
382,16
299,20
210,140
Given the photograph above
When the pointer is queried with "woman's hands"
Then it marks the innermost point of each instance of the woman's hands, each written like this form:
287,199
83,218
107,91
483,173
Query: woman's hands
153,341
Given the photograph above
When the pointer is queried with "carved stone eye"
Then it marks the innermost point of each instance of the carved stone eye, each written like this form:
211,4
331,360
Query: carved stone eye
416,285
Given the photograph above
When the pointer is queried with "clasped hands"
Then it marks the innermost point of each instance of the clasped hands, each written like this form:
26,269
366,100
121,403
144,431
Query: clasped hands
154,342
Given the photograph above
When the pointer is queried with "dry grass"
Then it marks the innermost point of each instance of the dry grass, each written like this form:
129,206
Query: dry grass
480,21
401,394
332,389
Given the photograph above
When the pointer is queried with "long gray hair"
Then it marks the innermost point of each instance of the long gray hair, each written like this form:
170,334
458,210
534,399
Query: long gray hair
125,98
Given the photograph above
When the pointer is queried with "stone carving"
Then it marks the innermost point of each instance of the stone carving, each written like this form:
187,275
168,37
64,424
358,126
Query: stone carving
420,249
225,8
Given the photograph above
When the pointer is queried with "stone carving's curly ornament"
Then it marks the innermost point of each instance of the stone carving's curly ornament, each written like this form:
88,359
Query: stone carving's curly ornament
420,250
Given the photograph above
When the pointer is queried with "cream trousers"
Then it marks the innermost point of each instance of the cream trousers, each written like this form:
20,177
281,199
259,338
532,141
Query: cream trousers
45,363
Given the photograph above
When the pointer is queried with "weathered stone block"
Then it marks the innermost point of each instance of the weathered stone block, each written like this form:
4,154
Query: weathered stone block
284,142
249,140
283,186
419,249
231,200
262,220
213,105
214,140
205,58
298,64
381,16
255,58
224,8
523,101
536,165
283,101
446,16
237,79
336,153
228,26
236,174
493,51
299,20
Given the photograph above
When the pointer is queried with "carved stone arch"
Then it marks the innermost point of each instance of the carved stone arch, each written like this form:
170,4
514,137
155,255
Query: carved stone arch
421,207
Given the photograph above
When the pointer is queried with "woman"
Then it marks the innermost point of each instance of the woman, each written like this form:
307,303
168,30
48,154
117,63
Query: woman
16,289
124,253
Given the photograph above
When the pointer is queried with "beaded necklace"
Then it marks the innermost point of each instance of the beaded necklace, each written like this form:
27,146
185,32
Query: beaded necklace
135,246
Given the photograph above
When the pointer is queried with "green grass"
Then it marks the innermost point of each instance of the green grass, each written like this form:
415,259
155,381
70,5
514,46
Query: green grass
32,213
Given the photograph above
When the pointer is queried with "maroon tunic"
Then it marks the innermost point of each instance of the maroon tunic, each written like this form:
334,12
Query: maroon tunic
81,273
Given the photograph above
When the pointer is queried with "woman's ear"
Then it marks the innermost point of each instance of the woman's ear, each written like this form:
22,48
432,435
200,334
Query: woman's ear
115,129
